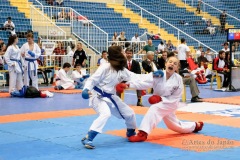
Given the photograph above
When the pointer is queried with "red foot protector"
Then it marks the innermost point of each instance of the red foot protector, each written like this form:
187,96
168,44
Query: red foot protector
201,79
198,128
140,137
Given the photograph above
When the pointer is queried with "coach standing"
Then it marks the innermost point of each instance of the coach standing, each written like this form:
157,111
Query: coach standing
79,56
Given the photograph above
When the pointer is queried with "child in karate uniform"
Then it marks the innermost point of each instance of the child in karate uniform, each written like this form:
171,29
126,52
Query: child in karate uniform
79,76
165,101
31,52
15,63
63,80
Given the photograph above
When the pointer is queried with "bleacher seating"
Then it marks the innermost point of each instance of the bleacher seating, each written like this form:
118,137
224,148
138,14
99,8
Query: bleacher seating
231,6
174,15
22,24
103,17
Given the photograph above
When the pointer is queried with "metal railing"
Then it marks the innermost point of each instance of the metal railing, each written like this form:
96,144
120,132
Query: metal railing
44,26
163,24
205,7
78,25
136,46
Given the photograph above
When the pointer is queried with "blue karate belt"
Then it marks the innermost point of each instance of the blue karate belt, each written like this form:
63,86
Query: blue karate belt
104,94
19,63
29,68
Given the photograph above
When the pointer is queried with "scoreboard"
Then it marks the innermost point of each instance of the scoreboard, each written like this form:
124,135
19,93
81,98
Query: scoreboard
233,35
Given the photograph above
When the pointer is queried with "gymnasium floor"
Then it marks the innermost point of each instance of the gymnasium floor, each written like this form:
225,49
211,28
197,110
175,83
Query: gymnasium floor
52,129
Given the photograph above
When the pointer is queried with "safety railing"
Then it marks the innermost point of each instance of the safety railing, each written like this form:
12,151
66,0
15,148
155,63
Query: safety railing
44,26
208,8
136,46
78,25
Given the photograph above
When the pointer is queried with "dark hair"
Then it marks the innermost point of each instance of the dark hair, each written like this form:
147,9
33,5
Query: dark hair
226,43
11,40
127,44
66,65
72,46
129,50
165,52
115,57
29,35
104,51
9,18
182,40
78,65
221,52
226,57
171,54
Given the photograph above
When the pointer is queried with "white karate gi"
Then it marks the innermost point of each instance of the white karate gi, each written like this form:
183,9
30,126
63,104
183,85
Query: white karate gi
65,81
102,61
170,90
76,75
31,70
15,64
106,78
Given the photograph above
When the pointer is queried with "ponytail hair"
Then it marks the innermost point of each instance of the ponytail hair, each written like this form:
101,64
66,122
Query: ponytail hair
11,40
116,58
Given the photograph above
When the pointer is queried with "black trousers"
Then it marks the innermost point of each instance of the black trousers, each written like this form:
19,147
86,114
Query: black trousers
183,64
226,79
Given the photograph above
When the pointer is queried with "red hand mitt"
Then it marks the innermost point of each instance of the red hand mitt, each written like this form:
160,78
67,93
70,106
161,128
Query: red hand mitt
154,99
121,86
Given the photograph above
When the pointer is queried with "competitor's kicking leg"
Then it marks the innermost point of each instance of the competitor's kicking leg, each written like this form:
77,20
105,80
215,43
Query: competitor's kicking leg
154,115
174,124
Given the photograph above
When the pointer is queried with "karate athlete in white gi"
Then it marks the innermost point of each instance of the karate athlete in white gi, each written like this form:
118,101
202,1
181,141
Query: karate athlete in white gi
15,62
63,80
101,87
31,52
165,100
79,76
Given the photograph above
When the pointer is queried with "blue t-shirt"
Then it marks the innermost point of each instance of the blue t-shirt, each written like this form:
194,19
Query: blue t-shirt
98,62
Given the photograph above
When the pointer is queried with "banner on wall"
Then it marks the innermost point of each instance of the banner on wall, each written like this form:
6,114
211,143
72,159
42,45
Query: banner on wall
48,47
54,33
